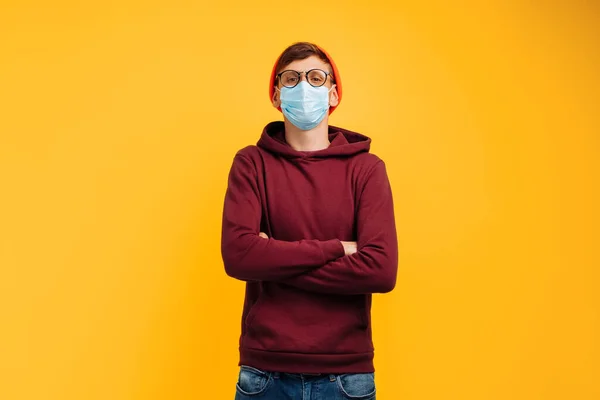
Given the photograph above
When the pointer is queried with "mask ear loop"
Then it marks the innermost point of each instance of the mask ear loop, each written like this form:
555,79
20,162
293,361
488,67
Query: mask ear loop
329,91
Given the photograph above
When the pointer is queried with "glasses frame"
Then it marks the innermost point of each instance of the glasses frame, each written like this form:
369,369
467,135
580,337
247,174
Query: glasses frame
327,75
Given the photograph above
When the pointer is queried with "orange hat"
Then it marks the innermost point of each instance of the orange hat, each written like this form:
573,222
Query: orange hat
336,76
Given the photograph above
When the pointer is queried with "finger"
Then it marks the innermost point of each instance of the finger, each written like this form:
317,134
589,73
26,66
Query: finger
263,235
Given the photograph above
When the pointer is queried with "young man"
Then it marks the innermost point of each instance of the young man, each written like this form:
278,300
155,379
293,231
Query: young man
308,224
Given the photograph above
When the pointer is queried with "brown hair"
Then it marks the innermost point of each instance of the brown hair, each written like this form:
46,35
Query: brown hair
300,51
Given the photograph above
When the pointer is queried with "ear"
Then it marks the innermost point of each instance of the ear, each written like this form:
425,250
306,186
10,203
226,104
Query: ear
334,99
275,99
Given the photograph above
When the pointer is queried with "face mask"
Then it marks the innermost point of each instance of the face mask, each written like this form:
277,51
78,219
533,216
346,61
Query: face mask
305,106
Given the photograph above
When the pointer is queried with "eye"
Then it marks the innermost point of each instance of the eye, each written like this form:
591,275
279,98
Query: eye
289,78
317,77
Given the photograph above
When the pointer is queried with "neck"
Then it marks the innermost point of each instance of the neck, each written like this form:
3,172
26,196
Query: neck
311,140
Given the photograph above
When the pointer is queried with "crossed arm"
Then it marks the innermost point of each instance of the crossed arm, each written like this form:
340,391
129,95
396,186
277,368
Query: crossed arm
368,265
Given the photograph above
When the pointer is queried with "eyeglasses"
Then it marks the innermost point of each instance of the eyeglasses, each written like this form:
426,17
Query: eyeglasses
315,77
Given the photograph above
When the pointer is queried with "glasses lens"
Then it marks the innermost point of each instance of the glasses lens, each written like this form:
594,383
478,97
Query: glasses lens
316,77
289,78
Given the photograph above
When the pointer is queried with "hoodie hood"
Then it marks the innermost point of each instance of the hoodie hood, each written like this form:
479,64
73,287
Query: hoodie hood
344,143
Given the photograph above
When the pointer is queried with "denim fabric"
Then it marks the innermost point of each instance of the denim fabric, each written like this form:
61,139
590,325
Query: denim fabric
256,384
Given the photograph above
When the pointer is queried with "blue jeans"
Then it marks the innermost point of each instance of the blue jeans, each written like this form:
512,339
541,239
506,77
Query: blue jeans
256,384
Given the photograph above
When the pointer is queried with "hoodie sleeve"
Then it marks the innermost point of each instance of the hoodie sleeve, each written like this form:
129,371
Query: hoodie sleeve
373,268
249,257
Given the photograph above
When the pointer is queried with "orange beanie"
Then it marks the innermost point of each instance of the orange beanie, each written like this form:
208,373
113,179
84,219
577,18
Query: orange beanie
336,76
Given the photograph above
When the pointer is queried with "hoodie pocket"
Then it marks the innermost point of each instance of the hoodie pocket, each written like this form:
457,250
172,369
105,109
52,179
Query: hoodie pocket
253,311
287,320
365,310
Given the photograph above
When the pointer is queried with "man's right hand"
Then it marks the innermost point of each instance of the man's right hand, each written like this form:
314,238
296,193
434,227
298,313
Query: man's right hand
350,248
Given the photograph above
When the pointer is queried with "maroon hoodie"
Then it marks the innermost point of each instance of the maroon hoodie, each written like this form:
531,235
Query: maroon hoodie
308,306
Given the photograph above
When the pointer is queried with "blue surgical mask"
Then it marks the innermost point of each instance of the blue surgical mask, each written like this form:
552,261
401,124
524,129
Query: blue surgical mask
304,105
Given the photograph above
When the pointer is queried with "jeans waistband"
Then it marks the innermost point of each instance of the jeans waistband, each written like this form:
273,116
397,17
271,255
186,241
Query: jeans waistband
332,377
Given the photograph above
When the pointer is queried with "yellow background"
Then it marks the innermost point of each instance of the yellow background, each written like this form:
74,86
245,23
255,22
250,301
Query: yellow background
118,124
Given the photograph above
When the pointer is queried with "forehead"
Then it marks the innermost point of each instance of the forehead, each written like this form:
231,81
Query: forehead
308,63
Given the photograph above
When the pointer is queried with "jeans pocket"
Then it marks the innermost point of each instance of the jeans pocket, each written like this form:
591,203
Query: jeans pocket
252,381
357,386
